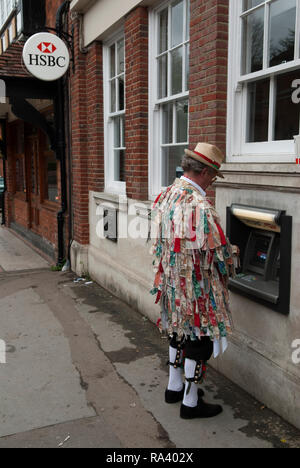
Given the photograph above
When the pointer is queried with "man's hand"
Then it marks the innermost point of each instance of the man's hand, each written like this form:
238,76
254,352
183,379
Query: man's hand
236,256
236,251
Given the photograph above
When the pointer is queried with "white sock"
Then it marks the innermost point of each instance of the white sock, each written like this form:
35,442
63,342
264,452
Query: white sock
191,397
175,376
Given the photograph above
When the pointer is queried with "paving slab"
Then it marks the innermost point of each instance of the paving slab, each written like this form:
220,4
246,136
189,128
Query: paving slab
83,369
40,385
82,433
139,354
56,371
16,255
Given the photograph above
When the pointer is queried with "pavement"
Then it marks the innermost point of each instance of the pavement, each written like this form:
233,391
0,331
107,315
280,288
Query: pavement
84,370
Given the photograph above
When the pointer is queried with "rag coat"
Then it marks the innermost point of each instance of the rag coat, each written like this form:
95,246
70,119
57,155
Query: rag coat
193,263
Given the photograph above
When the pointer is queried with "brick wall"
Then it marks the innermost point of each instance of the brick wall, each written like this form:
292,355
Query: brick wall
42,213
208,73
87,132
95,116
136,126
17,209
51,9
9,166
87,120
79,146
208,87
48,225
20,212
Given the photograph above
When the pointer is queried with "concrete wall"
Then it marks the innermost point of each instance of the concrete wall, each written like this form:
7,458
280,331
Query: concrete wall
260,356
102,15
124,268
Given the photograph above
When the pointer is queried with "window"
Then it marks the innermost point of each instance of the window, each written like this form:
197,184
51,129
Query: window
34,166
9,15
18,149
114,105
263,64
50,169
169,95
20,16
6,8
20,180
51,187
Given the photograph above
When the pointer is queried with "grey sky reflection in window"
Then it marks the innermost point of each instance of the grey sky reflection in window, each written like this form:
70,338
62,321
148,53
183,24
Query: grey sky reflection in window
282,31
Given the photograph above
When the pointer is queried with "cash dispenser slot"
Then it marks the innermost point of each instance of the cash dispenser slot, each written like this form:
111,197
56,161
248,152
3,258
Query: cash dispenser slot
264,237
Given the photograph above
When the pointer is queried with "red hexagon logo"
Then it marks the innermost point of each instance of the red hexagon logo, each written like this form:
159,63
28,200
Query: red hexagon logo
47,47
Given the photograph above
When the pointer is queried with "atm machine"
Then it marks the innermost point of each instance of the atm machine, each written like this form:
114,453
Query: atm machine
264,237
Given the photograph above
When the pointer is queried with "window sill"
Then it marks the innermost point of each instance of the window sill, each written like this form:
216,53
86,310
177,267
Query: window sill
271,168
279,177
122,203
119,202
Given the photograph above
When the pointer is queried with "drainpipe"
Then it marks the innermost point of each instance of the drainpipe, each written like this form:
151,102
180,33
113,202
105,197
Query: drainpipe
61,141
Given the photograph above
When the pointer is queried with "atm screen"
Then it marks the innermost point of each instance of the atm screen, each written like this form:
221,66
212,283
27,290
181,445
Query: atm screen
260,251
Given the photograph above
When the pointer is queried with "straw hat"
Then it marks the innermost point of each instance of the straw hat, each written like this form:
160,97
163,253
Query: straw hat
209,155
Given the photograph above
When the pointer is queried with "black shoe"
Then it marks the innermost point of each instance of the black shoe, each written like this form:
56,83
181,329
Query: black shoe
174,397
203,410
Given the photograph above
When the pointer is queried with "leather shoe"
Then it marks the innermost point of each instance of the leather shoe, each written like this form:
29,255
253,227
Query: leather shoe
172,397
203,410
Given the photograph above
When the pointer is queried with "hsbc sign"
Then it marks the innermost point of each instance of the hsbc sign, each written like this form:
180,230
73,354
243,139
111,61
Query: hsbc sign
46,56
47,47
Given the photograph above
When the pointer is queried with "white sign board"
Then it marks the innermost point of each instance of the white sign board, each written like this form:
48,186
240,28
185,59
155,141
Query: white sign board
46,56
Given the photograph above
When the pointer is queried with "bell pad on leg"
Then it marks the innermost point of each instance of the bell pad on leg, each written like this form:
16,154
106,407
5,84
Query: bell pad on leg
200,373
178,361
179,347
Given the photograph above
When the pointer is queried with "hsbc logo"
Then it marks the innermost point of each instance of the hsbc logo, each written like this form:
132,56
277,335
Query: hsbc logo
46,56
47,47
46,61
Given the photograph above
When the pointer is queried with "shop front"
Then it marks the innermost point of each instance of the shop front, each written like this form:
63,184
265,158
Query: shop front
35,195
32,112
32,171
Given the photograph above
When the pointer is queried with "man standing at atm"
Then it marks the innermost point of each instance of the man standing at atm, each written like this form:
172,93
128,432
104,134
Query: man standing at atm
193,263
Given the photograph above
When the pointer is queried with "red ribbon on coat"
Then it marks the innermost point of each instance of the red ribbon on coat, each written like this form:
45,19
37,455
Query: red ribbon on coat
197,322
222,235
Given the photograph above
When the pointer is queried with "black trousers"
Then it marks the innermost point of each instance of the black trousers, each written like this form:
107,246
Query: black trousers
199,350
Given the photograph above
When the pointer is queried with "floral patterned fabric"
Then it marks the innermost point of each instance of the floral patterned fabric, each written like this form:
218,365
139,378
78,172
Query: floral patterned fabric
193,263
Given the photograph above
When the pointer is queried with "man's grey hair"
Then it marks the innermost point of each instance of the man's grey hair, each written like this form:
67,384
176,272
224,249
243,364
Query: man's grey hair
191,165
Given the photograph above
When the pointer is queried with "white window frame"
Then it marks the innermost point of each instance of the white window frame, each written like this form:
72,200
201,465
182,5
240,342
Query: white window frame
238,151
6,9
111,185
155,104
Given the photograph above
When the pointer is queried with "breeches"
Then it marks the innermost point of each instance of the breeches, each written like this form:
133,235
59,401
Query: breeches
198,350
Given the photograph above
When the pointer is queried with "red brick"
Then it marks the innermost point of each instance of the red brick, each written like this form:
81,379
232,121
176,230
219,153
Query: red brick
136,131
